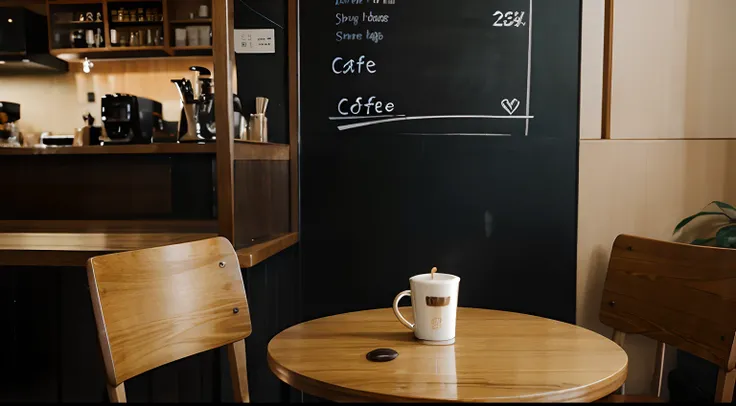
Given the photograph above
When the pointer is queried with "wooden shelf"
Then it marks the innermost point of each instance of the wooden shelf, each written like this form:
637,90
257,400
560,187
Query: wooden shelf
260,151
192,22
76,23
134,23
142,48
148,149
106,51
263,249
109,226
62,51
193,48
74,249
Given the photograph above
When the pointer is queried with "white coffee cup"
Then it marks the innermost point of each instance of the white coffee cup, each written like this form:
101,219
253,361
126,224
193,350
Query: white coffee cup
434,304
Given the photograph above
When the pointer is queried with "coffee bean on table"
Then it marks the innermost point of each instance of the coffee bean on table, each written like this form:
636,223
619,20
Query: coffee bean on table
382,355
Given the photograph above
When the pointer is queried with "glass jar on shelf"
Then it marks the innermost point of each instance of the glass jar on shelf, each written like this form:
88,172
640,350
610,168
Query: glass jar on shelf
123,38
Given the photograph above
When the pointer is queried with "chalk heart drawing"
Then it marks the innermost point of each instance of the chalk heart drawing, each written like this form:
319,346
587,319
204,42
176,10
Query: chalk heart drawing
510,106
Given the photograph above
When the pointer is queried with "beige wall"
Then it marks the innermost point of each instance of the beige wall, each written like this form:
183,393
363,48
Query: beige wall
672,79
57,102
673,69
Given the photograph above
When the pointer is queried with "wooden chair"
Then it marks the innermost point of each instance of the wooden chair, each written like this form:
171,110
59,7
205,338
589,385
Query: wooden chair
677,294
159,305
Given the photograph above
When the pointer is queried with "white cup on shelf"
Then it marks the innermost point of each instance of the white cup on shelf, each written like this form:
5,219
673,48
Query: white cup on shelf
192,35
180,35
205,35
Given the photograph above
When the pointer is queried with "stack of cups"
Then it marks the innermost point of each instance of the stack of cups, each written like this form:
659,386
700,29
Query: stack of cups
180,35
192,35
204,35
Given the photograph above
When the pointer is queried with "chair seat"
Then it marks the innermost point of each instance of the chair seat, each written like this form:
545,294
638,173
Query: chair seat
631,399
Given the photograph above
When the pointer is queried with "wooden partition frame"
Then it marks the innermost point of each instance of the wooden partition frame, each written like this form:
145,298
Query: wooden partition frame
607,69
223,52
293,55
225,76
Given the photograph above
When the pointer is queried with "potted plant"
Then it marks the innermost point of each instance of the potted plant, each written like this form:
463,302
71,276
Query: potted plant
725,216
694,378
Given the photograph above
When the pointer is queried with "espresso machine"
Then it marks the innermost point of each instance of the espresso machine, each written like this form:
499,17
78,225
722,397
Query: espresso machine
9,115
197,122
130,119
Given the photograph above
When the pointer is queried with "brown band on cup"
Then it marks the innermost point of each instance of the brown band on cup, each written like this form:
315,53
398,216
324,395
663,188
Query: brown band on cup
437,301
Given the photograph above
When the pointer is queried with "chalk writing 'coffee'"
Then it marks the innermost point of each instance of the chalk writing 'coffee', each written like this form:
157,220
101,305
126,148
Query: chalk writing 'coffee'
359,107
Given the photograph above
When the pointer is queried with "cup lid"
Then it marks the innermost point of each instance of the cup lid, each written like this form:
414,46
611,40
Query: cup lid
438,278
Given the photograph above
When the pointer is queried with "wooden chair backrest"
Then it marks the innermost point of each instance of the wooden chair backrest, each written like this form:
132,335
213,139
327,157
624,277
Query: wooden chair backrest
159,305
677,294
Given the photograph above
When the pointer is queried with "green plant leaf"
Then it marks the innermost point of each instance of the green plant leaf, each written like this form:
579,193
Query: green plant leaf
723,207
686,221
726,237
703,241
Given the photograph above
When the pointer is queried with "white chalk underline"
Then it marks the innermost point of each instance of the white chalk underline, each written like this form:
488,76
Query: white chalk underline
415,118
365,117
463,134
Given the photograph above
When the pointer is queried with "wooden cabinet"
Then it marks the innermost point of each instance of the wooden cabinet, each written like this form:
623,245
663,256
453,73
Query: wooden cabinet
129,28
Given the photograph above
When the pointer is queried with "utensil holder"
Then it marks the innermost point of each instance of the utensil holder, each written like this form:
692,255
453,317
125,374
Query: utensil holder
258,128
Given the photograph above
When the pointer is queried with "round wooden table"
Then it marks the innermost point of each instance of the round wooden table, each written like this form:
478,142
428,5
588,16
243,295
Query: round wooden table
497,357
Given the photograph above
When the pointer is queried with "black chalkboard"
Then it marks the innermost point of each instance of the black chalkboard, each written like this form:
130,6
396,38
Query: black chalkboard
470,163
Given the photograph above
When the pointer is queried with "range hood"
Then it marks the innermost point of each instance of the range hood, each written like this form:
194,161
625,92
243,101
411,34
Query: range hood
24,42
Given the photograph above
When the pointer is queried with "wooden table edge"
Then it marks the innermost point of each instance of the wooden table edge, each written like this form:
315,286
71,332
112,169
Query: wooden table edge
339,394
590,393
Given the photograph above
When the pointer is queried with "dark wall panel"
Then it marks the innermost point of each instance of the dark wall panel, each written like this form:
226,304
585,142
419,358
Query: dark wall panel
265,74
453,177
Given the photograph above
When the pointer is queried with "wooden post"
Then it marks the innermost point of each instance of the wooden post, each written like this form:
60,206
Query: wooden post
224,55
607,69
293,35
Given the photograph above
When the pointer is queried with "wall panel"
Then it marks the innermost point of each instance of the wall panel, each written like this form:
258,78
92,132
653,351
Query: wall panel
642,188
591,69
672,69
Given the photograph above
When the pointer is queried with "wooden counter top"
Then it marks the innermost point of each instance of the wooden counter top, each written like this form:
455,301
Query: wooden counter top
161,149
73,249
243,150
262,249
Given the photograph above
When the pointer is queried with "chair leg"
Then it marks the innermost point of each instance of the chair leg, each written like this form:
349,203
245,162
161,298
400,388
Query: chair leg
724,388
658,377
117,393
619,338
238,371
